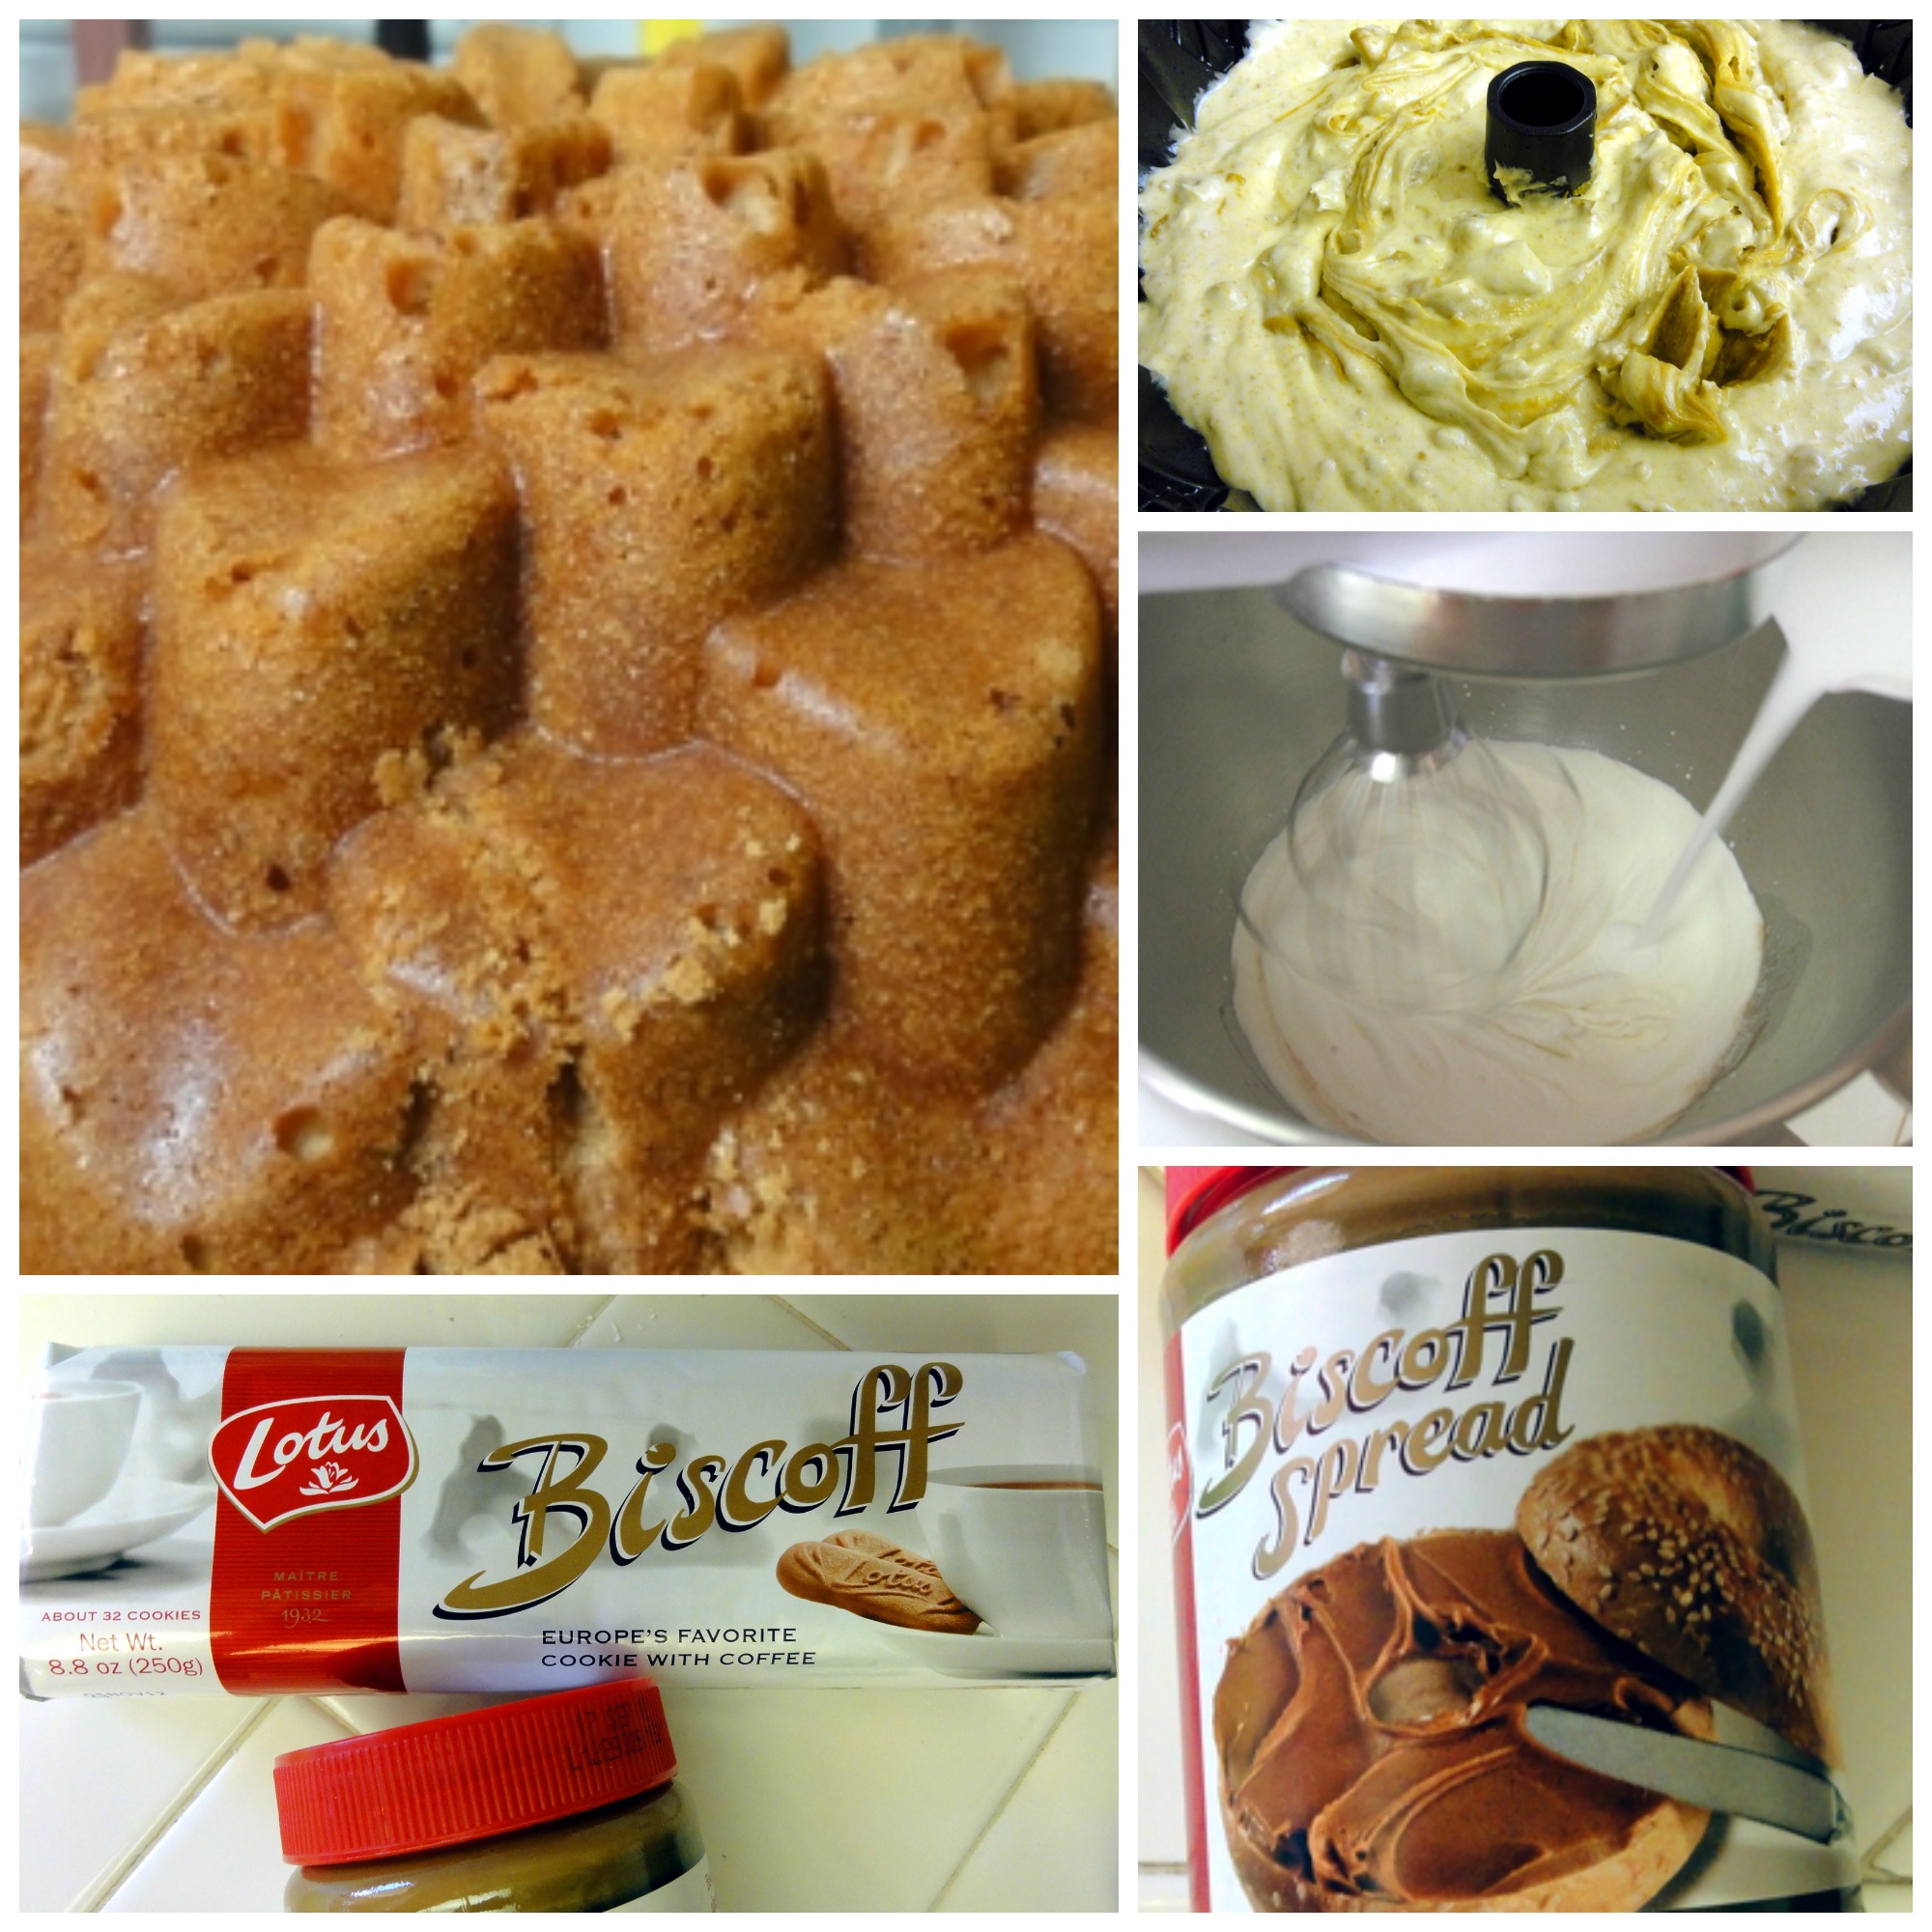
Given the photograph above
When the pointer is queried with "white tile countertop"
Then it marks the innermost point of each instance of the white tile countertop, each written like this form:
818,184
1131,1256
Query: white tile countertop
1850,1316
952,1800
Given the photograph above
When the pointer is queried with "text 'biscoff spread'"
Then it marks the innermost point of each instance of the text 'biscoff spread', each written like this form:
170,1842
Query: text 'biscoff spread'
1495,1590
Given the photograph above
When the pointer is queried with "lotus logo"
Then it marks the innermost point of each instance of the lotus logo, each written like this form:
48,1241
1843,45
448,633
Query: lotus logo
330,1480
284,1460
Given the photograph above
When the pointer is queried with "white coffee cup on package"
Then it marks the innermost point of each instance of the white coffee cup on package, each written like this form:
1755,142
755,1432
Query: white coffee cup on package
1024,1545
81,1435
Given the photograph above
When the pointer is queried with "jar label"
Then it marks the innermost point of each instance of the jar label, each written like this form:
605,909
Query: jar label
689,1891
1426,1492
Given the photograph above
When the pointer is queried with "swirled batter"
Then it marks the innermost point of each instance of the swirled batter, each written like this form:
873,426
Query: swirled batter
1583,1029
1721,319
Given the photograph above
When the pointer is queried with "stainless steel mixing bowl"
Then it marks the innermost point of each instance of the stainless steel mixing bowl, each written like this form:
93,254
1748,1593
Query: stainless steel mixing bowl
1237,700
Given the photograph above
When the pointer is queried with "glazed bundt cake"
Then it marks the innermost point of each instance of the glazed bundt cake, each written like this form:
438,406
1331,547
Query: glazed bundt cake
567,677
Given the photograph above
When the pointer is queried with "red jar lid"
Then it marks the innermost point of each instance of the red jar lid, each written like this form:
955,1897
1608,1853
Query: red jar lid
1193,1193
473,1775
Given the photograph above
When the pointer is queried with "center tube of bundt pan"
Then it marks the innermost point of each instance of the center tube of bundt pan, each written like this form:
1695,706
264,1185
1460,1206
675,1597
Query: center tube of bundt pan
1542,131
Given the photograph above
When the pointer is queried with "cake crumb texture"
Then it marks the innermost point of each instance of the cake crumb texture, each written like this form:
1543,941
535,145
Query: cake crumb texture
567,664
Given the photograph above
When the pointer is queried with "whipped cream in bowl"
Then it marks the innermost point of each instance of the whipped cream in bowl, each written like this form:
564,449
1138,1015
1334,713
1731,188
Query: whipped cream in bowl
1472,996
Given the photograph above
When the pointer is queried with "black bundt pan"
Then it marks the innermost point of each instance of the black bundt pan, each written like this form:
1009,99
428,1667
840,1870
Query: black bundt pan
1180,58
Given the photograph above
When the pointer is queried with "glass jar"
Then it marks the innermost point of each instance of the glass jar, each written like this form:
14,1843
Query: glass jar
1450,1445
1228,1226
560,1804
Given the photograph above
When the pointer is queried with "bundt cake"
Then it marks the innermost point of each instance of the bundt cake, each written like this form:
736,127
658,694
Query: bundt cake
567,664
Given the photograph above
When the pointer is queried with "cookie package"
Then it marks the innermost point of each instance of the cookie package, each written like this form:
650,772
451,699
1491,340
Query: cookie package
259,1521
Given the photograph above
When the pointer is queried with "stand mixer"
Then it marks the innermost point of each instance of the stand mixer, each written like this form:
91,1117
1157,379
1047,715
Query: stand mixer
1412,795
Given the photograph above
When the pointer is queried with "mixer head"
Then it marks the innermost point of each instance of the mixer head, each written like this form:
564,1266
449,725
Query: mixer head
1662,605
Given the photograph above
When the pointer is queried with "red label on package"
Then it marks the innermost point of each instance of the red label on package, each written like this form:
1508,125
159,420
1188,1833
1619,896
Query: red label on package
312,1456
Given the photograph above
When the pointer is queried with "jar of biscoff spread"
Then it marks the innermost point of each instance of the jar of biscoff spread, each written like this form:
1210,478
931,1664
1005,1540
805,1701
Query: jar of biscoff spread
560,1804
1495,1586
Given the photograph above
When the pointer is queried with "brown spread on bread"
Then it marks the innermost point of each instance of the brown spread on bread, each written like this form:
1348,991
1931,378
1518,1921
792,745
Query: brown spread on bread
1371,1732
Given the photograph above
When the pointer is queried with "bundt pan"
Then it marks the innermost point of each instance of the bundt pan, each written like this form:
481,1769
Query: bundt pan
1180,59
1237,700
